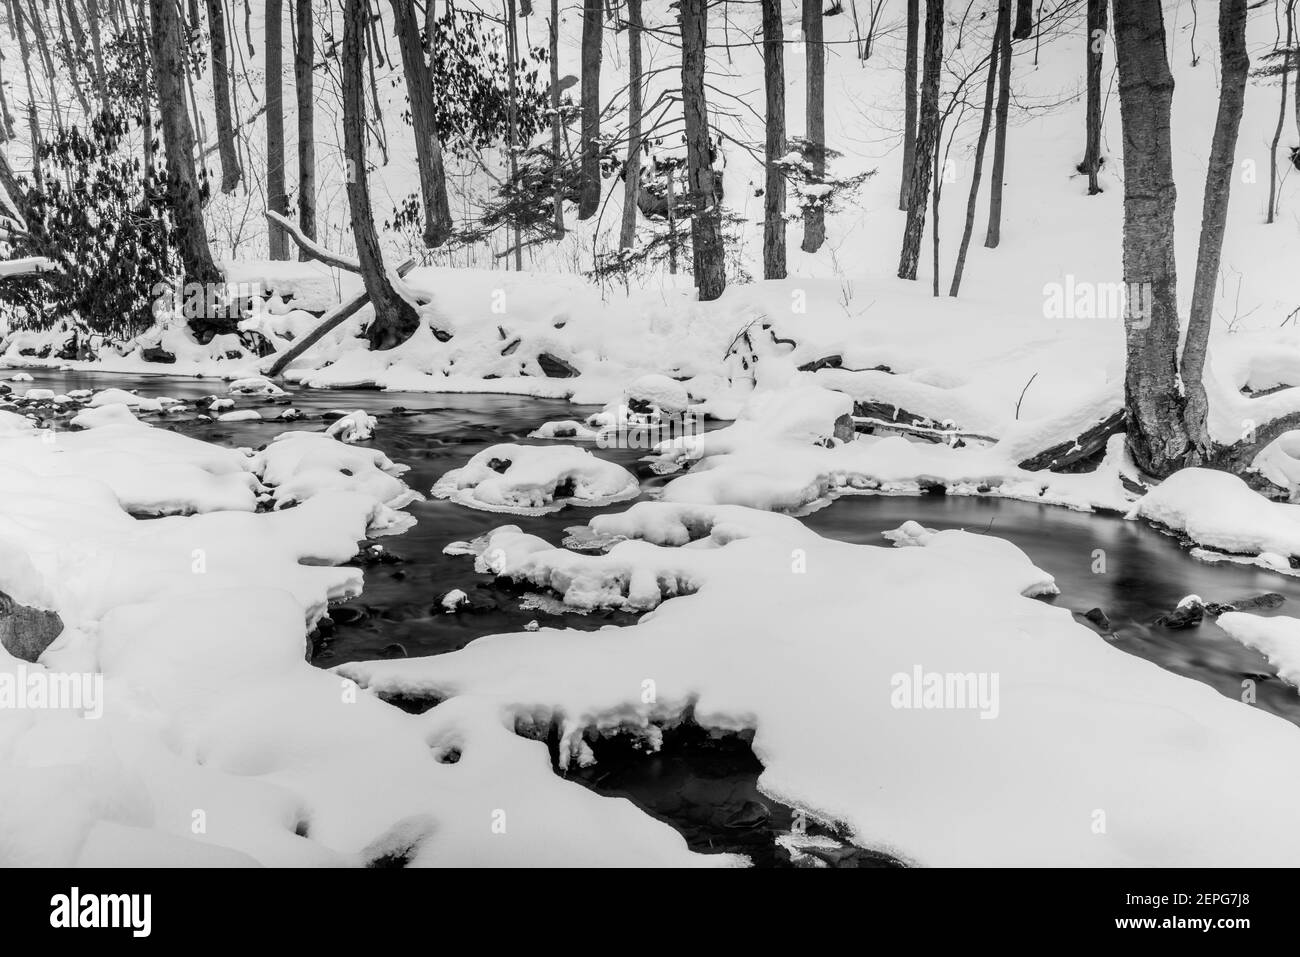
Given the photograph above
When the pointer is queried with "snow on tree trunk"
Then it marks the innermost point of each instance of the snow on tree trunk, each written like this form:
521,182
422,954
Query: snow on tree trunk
706,216
1235,67
1152,397
428,149
395,319
592,27
814,217
774,145
927,135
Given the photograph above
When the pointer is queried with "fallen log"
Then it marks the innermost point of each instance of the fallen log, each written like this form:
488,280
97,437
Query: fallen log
312,248
869,416
1061,456
330,320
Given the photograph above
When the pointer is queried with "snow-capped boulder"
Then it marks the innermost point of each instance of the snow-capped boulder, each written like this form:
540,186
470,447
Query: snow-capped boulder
534,480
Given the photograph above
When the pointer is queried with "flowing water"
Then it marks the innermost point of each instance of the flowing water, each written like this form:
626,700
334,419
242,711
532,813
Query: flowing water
703,786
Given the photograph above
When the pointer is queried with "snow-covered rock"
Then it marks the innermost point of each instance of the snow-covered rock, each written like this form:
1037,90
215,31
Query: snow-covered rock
534,480
357,426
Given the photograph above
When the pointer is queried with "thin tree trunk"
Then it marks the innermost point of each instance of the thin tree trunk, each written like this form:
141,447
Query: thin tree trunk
304,83
169,59
230,171
276,197
395,319
814,217
909,98
428,148
557,168
774,145
33,125
97,51
1025,19
926,141
994,235
512,116
1096,45
592,28
706,214
1281,115
1218,185
986,119
1156,435
632,168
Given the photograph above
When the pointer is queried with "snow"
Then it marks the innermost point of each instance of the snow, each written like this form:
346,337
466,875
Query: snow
256,385
122,397
240,415
1277,639
356,426
534,480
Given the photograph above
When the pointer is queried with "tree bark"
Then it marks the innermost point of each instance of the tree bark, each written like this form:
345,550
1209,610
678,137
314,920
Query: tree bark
973,200
1025,19
592,35
304,88
1235,68
632,168
276,197
909,97
926,141
557,169
183,193
230,171
1156,434
395,319
428,148
814,217
1096,46
706,215
994,234
774,146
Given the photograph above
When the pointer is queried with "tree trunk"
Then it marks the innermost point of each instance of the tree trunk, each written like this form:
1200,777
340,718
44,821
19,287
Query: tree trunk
632,168
557,169
1218,185
994,235
276,198
512,115
97,50
814,217
230,171
1025,19
909,97
304,83
592,34
1096,45
183,195
972,201
926,141
774,147
1156,435
395,319
428,149
1281,115
706,215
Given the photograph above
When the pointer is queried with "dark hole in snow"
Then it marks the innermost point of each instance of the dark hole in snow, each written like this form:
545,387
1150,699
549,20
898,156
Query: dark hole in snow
498,465
565,489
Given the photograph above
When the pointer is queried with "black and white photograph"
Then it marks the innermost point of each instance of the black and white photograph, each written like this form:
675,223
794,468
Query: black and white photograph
742,435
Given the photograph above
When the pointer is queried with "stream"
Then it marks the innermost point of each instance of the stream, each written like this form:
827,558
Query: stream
704,786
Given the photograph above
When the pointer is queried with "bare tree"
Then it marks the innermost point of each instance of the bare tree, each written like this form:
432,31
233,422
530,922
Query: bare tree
980,146
276,197
1025,19
909,97
428,148
304,88
1235,67
706,215
592,27
1096,47
994,235
814,216
632,168
395,319
927,144
1285,70
230,171
1156,434
774,145
557,170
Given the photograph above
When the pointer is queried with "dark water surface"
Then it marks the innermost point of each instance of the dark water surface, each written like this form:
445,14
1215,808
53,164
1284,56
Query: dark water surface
703,786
